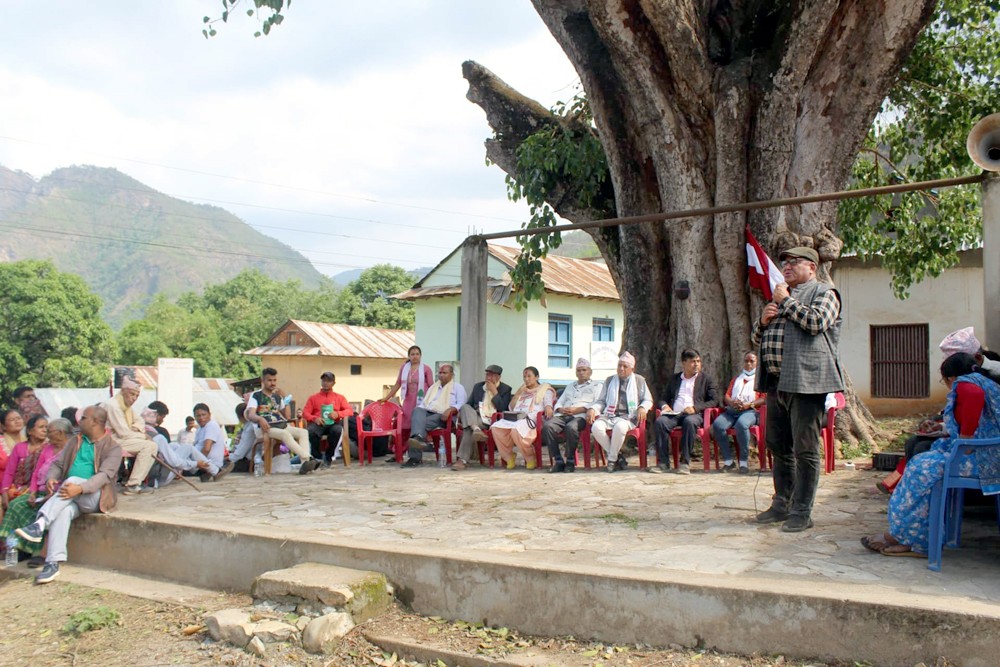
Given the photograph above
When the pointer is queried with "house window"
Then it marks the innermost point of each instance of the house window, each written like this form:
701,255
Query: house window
604,330
900,361
291,338
560,345
355,369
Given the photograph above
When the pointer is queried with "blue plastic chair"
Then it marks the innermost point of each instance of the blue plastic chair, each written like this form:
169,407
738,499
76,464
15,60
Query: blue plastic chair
947,500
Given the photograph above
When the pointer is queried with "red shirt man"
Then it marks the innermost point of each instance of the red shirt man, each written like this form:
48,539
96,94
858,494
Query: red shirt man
325,412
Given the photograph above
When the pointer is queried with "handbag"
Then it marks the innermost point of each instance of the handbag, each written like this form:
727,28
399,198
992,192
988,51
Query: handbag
515,416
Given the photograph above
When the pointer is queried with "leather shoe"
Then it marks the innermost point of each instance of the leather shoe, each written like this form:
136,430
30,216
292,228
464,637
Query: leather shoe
409,463
558,466
570,467
771,515
796,524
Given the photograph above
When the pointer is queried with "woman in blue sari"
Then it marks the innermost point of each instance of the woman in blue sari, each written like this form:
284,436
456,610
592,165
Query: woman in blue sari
972,411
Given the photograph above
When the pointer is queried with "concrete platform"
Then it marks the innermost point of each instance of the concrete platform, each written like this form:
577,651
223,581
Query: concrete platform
624,557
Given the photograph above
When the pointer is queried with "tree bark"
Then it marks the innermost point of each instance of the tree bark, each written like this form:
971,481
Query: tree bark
706,102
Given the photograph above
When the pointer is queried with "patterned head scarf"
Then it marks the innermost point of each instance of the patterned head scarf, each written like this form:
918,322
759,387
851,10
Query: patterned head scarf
963,340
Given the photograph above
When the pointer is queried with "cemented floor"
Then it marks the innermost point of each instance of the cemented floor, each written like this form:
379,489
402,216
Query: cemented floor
700,524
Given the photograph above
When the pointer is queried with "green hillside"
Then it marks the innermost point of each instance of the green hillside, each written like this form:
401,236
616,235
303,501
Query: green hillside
130,242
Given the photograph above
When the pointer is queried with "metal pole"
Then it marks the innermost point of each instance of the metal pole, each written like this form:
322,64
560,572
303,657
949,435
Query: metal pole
748,206
991,260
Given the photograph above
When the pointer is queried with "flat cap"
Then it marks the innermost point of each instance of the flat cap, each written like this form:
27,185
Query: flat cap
803,252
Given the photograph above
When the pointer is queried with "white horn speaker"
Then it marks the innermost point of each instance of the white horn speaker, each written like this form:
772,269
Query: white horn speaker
983,143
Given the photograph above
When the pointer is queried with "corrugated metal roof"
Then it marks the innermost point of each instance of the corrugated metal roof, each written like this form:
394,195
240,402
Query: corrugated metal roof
149,378
342,340
589,279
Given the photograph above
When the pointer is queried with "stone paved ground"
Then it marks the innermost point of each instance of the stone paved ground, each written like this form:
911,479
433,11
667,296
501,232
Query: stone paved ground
698,527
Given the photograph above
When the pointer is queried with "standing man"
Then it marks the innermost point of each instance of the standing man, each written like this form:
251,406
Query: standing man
571,416
269,409
129,430
689,393
442,400
488,397
798,333
623,404
325,412
81,481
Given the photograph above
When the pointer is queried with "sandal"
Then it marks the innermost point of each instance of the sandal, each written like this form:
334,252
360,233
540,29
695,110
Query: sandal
878,542
901,551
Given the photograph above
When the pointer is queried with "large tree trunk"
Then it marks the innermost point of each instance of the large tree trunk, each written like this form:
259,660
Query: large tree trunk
708,102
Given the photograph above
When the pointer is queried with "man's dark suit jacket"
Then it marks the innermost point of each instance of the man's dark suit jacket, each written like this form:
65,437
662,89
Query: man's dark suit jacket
501,401
706,392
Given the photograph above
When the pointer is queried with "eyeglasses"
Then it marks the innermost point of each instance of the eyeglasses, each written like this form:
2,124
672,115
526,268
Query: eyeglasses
791,261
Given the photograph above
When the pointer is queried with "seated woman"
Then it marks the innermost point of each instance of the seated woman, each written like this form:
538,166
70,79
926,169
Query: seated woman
972,411
23,509
22,460
12,426
529,399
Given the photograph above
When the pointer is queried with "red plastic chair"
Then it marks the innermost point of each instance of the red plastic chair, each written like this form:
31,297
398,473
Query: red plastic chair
387,419
450,428
704,432
757,432
491,447
827,433
639,433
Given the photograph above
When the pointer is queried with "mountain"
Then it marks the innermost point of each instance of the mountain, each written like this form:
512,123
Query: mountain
130,242
577,244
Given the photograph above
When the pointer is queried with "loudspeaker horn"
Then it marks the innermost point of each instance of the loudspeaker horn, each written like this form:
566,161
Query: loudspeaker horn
983,143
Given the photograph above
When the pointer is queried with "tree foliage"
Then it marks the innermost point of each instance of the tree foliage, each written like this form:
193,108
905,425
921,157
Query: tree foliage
214,328
366,301
564,154
267,12
950,81
53,331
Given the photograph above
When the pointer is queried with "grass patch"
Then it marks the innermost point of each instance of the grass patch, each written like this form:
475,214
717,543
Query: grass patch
618,517
92,618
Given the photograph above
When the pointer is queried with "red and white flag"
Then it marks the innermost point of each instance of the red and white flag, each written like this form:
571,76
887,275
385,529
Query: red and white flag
762,273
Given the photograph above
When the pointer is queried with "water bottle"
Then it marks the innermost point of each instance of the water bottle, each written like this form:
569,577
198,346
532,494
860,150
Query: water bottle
442,456
258,466
10,559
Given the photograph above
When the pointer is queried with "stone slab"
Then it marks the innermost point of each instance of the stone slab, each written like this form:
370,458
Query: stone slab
364,594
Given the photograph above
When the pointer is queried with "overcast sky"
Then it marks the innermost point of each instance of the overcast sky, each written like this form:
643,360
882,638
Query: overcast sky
345,133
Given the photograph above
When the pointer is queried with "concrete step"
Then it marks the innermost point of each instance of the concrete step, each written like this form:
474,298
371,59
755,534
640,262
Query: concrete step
147,588
361,593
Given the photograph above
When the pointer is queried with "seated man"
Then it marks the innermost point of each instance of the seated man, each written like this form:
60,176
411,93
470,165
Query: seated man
210,443
443,399
688,394
80,481
742,404
269,409
327,412
571,416
129,430
623,404
488,397
183,458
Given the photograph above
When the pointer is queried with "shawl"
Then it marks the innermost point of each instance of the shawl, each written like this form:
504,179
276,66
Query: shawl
746,391
404,374
540,391
126,410
441,400
631,396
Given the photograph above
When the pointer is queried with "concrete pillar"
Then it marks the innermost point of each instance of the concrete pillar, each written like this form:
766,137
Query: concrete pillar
991,260
473,324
